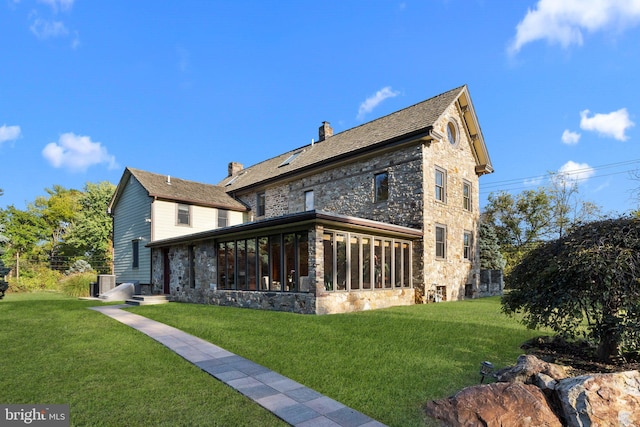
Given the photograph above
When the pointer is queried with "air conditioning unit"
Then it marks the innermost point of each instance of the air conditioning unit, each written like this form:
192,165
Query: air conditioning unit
106,282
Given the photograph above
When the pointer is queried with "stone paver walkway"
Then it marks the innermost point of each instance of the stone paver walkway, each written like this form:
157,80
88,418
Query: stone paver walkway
287,399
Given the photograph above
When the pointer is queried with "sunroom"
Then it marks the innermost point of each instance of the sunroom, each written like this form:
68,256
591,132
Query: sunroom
309,262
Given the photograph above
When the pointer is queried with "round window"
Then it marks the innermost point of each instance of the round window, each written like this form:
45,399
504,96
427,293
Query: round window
452,133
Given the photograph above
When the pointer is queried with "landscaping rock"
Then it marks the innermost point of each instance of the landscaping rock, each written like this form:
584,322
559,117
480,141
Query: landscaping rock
495,405
601,399
528,367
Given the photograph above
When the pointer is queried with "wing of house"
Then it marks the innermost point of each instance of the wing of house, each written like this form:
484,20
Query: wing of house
148,206
381,214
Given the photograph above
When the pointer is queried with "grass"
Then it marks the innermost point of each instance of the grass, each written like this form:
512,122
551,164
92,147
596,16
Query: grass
54,350
384,363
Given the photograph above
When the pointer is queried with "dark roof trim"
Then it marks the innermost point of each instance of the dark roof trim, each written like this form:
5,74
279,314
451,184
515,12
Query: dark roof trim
421,135
292,221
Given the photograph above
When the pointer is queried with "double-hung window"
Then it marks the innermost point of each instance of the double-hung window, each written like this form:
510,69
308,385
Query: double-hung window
441,185
260,203
381,186
466,196
308,201
184,214
441,241
223,218
468,245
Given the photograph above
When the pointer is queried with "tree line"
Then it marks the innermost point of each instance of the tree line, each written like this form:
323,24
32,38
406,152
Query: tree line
58,229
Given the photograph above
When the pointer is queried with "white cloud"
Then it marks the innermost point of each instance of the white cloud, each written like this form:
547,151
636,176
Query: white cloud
570,138
9,133
77,153
563,22
533,182
373,101
613,124
58,4
574,172
44,29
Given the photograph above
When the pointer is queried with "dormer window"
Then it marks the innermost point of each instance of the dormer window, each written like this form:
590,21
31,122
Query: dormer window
290,158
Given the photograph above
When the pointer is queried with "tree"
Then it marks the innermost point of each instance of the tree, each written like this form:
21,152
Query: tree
519,222
24,230
490,256
591,276
92,233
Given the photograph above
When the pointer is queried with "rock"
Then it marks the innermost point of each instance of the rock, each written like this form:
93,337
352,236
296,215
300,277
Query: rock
544,382
495,405
601,399
528,367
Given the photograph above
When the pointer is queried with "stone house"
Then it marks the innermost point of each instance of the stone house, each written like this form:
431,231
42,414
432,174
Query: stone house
382,214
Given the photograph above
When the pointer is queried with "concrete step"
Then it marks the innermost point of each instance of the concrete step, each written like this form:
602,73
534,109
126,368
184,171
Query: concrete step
148,299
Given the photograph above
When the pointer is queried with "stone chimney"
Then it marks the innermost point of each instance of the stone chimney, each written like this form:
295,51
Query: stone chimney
234,168
325,131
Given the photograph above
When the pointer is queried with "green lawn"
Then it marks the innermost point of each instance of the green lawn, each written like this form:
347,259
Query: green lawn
384,363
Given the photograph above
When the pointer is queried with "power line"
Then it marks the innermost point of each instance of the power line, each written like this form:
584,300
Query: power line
521,183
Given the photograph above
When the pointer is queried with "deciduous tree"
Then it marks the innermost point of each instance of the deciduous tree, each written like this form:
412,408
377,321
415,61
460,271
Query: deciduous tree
591,276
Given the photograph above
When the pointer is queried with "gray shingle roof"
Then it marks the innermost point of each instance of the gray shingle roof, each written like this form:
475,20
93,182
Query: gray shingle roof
418,117
182,190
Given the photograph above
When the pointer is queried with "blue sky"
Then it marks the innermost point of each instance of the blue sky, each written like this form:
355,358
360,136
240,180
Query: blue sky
183,88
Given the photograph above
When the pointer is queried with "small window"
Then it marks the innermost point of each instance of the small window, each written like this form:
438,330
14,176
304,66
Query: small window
308,201
135,253
441,241
452,133
466,196
290,158
184,214
260,203
223,219
441,185
468,245
381,183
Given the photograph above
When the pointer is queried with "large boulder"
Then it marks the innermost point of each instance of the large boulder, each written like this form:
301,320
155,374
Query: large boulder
601,399
495,405
528,368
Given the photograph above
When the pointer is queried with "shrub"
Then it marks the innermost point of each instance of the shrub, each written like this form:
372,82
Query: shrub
38,278
77,285
79,266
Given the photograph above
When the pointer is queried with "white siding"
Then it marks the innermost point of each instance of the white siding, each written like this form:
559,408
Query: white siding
130,222
202,219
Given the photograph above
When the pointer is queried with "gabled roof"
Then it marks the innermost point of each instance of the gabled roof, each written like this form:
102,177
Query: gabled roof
412,123
179,190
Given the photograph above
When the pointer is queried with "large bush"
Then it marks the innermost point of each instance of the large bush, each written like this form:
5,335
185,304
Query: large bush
587,281
77,285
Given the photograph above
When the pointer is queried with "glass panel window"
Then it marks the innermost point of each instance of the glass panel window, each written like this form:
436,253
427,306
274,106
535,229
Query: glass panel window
223,220
386,266
341,262
381,183
366,263
260,203
327,246
441,240
467,244
304,281
291,283
354,265
276,262
397,264
251,265
406,266
441,182
466,196
222,266
263,262
231,264
241,257
308,201
135,253
184,214
378,263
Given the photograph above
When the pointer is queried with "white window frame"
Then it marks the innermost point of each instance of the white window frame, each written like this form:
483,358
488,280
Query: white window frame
309,202
442,197
467,245
441,245
467,198
180,207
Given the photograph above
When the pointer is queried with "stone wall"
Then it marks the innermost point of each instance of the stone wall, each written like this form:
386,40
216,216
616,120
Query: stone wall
345,302
303,303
